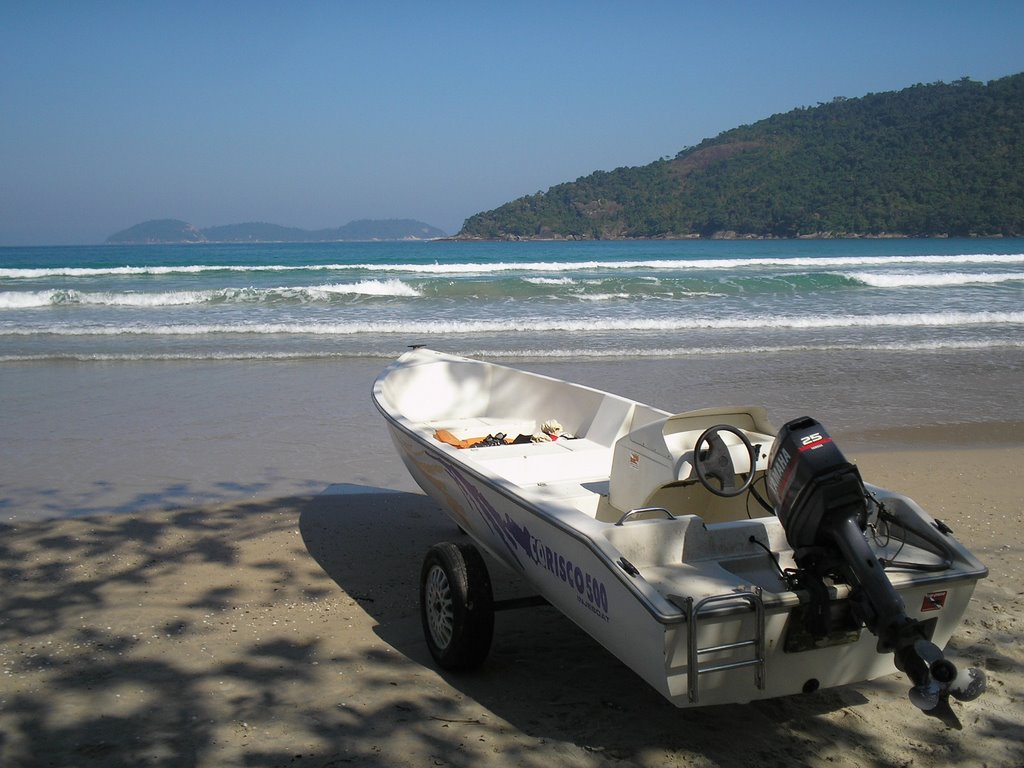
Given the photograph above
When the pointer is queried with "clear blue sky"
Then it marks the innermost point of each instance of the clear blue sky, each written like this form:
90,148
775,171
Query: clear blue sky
312,114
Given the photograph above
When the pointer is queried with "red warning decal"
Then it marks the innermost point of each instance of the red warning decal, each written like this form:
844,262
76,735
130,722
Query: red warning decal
933,601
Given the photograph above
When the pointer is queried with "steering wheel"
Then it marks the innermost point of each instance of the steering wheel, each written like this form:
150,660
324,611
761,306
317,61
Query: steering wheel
715,463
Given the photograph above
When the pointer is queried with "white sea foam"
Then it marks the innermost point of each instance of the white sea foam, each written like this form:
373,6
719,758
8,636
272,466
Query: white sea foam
536,266
595,297
536,325
27,299
58,297
141,300
668,352
392,287
186,356
562,353
185,269
549,280
932,280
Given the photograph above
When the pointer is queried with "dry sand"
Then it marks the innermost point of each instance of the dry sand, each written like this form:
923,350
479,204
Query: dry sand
285,632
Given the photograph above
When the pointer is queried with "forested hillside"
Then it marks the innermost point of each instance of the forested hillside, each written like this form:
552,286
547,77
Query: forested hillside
939,159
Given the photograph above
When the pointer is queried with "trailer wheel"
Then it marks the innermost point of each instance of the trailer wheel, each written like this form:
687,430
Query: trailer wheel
456,605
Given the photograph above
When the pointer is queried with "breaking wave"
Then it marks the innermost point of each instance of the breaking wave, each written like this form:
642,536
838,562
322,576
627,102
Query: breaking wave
932,280
482,267
140,300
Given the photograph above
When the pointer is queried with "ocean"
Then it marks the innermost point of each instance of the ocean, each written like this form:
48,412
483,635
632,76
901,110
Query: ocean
140,377
520,300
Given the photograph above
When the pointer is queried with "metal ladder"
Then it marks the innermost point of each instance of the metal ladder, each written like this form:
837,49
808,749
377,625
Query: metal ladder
694,611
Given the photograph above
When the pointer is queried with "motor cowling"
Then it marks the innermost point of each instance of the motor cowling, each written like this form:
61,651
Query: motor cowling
821,501
810,482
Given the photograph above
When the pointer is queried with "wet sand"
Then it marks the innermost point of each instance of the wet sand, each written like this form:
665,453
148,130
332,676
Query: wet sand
244,626
98,438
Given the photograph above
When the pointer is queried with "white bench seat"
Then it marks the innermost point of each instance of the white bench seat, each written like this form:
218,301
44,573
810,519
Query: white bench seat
552,462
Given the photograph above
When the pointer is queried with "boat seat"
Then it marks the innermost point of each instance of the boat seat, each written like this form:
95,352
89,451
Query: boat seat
482,426
528,464
693,499
551,462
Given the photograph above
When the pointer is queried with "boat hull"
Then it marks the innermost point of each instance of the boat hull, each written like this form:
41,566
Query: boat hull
745,644
591,592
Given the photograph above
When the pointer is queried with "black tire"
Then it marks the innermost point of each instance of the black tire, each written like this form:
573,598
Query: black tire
456,605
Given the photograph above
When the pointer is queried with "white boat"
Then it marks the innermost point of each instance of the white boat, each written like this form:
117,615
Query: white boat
719,558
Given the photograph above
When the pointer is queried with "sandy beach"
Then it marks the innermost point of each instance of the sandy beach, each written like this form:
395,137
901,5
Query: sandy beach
238,586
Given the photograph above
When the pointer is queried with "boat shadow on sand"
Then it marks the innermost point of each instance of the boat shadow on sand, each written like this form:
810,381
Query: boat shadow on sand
550,680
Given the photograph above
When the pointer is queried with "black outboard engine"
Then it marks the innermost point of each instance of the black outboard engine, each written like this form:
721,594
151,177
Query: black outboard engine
822,503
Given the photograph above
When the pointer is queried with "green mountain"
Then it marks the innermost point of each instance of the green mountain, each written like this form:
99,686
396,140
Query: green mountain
930,160
176,231
254,232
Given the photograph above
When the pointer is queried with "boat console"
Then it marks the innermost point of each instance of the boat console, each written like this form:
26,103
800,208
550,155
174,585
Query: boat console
665,461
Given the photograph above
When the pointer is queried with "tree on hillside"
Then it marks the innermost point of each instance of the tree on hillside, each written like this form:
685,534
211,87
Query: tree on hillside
938,159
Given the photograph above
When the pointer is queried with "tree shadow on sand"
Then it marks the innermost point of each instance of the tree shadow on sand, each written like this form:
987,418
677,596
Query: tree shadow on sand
236,635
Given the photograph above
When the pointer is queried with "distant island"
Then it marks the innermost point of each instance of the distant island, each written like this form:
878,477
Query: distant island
931,160
177,231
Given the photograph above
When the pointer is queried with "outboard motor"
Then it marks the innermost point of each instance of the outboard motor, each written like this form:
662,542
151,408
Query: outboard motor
822,503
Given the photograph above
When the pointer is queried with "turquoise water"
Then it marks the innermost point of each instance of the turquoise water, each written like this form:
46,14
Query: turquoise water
525,300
